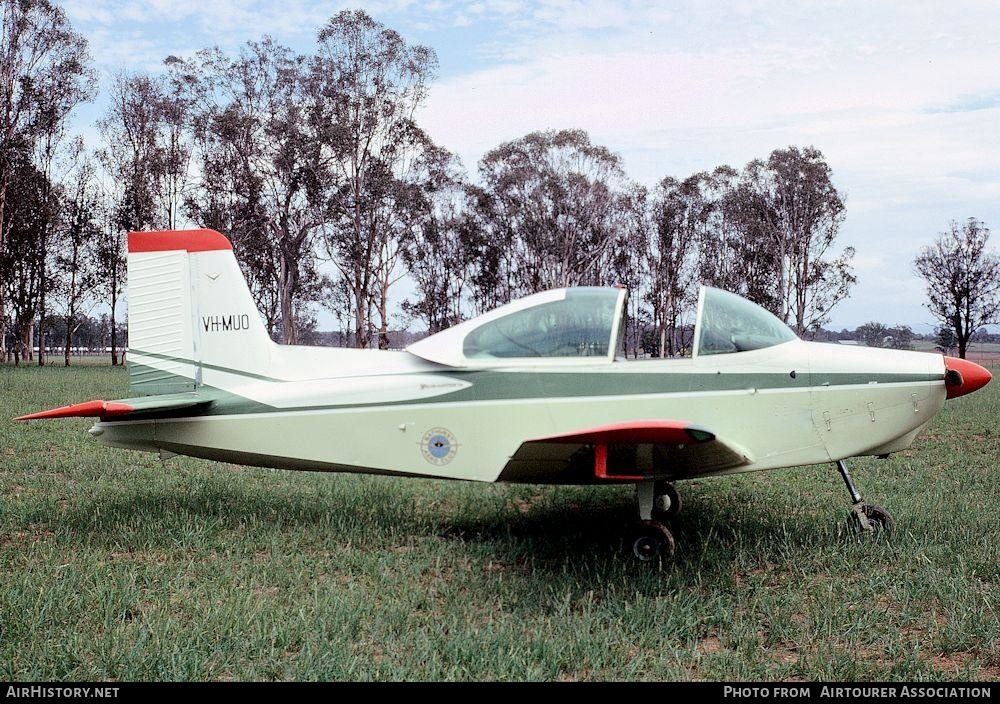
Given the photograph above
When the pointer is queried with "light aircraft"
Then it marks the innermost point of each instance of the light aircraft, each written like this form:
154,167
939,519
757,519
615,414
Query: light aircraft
530,392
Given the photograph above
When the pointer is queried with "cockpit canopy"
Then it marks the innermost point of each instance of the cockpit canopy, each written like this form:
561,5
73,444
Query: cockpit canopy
728,323
564,324
581,325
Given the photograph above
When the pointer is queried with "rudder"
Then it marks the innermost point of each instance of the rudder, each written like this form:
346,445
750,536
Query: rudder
190,314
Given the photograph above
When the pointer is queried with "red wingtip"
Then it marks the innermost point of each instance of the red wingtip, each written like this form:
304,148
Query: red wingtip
963,377
88,409
176,240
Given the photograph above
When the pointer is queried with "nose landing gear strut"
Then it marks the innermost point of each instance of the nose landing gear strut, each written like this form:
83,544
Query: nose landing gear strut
865,517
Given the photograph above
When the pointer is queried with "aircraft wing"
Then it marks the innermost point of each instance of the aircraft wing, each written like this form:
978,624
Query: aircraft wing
627,451
121,410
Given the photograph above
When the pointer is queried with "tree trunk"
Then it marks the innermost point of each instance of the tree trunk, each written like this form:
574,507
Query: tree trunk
3,309
114,322
69,338
961,338
361,337
383,312
41,325
286,283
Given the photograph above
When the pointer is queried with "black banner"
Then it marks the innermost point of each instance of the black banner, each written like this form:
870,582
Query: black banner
842,691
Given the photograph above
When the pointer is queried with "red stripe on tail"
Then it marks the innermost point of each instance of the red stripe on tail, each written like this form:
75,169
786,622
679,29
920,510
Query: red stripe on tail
175,240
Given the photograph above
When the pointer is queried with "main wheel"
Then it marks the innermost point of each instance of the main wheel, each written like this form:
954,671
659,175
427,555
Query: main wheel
652,541
666,502
879,520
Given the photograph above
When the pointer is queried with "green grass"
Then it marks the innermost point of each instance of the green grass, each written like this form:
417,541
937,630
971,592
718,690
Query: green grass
118,566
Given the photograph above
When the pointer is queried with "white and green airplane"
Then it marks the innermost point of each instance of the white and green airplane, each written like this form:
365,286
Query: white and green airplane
530,392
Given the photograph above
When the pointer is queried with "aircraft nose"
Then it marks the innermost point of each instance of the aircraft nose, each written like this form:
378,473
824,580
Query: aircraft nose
963,377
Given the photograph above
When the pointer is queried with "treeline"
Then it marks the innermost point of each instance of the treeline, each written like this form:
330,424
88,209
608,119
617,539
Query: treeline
335,198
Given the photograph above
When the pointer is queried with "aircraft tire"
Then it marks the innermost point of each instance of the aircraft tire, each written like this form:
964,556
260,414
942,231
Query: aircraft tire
666,495
879,519
652,542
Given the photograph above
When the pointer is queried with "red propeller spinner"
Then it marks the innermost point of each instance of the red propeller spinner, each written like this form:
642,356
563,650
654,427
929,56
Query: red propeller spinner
963,377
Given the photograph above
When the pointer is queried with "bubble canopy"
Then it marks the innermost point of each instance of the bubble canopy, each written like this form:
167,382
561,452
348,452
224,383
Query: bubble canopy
728,323
564,326
581,326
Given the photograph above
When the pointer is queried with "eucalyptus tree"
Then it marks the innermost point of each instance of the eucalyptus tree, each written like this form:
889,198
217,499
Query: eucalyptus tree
731,256
962,277
109,247
437,258
22,258
789,205
44,73
129,135
261,162
368,84
552,207
76,266
681,211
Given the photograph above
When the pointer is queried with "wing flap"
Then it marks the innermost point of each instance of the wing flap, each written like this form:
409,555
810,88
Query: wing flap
626,451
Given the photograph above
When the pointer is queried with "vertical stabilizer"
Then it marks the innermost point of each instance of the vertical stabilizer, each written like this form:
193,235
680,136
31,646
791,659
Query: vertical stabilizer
191,315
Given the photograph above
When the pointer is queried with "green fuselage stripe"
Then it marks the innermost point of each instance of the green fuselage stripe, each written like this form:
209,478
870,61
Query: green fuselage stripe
506,385
203,365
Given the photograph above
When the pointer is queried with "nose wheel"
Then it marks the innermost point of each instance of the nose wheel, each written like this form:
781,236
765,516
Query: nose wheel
651,541
865,518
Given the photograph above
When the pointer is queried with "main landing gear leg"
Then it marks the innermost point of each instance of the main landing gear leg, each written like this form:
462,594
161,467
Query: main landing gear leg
651,541
865,517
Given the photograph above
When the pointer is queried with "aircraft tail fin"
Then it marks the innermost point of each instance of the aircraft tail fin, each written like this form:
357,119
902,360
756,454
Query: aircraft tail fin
190,314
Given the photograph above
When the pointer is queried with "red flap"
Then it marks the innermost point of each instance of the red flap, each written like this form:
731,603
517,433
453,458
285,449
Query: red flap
636,431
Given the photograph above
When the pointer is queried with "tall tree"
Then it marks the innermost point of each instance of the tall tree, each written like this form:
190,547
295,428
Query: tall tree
75,262
109,259
552,206
680,214
43,62
63,93
259,156
437,257
129,131
629,266
368,84
789,204
963,280
732,256
174,142
22,255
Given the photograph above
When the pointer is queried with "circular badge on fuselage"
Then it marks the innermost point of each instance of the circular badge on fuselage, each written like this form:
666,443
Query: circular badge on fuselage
438,446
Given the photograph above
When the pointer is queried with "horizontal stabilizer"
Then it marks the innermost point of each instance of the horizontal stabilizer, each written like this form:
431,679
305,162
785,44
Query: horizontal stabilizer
115,409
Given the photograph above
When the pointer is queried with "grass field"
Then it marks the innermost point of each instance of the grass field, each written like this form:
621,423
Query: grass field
118,566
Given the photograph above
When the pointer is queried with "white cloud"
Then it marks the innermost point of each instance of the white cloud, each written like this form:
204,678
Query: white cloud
903,99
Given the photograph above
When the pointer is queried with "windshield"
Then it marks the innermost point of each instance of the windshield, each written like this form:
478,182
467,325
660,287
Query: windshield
729,323
580,325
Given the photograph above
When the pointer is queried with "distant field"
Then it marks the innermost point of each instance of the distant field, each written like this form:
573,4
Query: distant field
118,566
987,353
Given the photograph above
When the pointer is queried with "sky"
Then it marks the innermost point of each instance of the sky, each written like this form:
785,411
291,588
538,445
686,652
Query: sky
902,98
